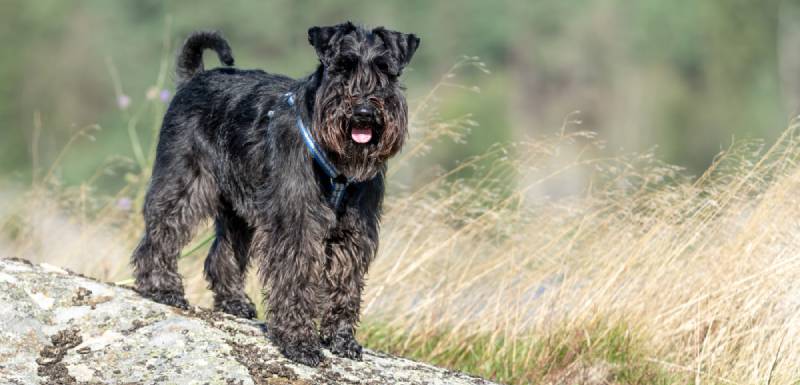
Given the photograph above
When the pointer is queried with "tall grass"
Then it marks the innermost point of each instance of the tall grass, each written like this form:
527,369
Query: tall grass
647,276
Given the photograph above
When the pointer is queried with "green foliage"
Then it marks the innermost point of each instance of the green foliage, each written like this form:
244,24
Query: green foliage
686,75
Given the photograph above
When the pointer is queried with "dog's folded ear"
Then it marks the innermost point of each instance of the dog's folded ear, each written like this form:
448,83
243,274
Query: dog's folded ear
322,39
401,45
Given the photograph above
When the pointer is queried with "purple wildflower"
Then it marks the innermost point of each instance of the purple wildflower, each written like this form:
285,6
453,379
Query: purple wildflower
123,101
124,204
164,95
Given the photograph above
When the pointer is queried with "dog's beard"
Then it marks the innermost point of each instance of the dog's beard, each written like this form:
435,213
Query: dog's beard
360,150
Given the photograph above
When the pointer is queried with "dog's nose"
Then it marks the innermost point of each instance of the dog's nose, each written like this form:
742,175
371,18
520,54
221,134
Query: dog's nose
364,112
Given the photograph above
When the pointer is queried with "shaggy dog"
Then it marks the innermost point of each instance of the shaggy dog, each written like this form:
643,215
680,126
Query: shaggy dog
291,170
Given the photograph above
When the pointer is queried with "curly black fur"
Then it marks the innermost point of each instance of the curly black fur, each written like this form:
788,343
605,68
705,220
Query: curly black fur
229,149
190,60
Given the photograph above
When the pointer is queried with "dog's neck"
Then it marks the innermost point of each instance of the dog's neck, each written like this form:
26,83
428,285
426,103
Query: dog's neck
332,178
311,84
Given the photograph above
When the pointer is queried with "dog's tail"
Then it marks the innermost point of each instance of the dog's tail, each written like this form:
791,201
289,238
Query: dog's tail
190,58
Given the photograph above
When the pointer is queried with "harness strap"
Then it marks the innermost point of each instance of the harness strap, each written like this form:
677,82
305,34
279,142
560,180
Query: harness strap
338,181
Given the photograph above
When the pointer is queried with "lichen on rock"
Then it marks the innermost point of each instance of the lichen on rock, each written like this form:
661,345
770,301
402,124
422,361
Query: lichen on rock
57,327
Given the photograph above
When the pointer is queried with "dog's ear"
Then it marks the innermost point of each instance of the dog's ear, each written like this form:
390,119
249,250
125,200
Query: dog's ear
401,45
322,39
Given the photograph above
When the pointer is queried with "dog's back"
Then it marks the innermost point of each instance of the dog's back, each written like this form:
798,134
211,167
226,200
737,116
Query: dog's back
221,101
227,84
216,123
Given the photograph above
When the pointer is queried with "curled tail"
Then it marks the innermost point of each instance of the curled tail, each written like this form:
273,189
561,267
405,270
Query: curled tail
190,58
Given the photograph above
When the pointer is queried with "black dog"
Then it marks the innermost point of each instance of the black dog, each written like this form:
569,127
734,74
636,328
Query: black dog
292,171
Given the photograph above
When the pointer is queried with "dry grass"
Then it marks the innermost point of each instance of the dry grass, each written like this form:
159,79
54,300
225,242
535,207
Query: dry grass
646,277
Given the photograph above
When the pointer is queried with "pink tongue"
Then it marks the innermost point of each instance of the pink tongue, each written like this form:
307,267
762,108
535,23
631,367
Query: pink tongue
361,135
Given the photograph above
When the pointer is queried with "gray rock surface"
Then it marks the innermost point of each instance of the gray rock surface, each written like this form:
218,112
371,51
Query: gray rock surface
57,327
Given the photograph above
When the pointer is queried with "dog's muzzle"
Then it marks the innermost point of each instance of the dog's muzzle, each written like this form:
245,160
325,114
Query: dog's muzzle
365,123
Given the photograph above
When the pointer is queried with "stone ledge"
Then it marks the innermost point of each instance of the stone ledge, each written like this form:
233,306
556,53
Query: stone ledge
57,327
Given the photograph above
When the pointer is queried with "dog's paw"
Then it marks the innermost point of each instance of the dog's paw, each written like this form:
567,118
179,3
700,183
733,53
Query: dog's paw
305,353
239,307
344,345
171,298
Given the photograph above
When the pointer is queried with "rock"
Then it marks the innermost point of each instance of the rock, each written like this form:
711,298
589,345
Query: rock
58,327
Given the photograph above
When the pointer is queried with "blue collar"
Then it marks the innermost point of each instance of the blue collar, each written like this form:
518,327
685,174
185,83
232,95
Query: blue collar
338,181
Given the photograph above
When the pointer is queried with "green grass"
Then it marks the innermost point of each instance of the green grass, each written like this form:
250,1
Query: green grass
598,353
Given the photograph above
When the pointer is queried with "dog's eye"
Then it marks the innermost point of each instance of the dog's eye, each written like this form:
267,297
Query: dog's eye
386,67
346,63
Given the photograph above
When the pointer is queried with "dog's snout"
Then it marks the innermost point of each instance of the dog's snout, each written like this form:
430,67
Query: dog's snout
364,112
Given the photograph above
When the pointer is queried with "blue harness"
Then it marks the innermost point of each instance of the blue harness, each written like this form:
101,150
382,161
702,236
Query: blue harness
338,181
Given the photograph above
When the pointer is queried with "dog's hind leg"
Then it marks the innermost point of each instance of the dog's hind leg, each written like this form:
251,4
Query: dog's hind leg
179,197
226,265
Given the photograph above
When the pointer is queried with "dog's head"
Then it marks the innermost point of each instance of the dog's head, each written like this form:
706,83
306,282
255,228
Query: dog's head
360,112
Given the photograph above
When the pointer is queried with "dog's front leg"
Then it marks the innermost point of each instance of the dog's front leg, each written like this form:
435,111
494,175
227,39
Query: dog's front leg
351,248
291,253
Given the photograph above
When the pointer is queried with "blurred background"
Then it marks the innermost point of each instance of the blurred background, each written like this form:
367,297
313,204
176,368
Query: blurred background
578,239
683,76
